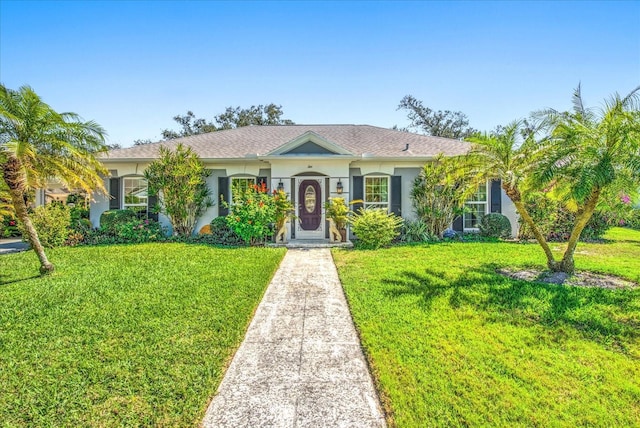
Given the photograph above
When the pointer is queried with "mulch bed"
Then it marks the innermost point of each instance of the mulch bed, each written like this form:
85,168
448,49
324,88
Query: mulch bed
578,279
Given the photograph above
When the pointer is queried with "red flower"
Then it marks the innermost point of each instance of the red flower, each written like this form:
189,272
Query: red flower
12,223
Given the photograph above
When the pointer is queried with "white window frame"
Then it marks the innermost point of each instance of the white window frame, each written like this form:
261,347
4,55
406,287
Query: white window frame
382,205
236,179
469,202
126,205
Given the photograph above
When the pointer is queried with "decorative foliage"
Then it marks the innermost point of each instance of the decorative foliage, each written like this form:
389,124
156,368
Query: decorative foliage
439,193
495,225
109,219
375,228
179,177
416,231
253,213
283,206
52,222
337,209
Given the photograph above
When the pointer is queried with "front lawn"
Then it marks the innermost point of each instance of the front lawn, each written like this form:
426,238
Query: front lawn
452,343
132,335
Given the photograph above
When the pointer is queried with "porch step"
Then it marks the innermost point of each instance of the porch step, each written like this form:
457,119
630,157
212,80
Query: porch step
312,243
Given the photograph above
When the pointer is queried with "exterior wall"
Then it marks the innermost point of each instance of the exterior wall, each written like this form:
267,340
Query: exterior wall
408,177
509,211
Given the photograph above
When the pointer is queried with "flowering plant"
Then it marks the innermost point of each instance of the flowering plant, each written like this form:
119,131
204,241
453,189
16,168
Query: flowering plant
253,213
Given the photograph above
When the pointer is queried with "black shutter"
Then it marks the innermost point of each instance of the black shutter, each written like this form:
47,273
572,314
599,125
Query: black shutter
357,191
496,196
114,193
152,201
223,195
396,195
262,180
457,224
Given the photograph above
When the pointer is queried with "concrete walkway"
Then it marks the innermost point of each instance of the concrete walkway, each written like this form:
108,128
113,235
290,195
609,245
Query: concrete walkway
12,245
300,364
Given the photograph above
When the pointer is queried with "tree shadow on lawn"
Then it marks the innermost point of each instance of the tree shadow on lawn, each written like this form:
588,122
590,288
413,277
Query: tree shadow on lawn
6,279
609,317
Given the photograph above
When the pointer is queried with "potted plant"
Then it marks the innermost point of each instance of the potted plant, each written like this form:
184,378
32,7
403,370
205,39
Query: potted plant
337,212
284,211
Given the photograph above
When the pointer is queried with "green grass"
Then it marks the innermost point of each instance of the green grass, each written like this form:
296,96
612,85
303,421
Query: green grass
123,335
451,343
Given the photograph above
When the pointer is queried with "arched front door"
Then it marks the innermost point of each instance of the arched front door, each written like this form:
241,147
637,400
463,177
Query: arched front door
310,202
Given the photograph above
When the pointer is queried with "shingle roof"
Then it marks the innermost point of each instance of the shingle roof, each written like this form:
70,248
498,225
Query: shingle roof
361,140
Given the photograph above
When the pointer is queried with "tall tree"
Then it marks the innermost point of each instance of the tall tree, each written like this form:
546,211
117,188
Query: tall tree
179,177
36,144
588,151
509,154
232,117
449,124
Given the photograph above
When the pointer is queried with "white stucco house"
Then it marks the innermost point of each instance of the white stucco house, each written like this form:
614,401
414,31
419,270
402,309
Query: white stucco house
311,163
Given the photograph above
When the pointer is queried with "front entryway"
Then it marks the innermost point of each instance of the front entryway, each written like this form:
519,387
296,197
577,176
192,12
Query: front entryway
309,210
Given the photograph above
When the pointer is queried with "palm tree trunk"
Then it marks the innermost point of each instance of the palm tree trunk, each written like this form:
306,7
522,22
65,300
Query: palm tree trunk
15,183
514,195
567,264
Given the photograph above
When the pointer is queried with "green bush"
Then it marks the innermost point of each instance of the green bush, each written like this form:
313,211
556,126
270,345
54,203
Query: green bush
109,219
9,227
556,222
253,214
222,234
495,225
375,228
415,231
52,222
126,232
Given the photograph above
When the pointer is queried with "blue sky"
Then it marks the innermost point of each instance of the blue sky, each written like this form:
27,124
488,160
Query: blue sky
132,66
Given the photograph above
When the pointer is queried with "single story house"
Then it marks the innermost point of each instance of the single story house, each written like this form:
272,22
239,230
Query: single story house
311,163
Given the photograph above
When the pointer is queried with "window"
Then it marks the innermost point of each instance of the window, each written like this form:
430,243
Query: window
241,185
376,192
135,194
476,208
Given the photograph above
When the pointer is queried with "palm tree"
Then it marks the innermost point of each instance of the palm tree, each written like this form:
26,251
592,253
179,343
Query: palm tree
586,152
36,144
509,155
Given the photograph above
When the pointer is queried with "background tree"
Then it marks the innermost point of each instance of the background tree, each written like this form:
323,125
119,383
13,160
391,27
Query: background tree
449,124
179,178
439,193
588,151
232,117
36,144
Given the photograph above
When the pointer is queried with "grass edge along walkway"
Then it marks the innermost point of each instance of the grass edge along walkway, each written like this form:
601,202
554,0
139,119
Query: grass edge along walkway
133,335
452,343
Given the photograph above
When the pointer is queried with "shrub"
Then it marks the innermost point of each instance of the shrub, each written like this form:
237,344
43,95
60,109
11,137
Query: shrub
109,219
556,222
415,231
223,234
52,222
253,213
375,228
138,231
9,227
495,225
180,176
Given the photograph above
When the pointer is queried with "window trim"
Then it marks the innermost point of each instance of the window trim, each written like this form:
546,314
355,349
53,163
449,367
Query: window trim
379,205
486,203
125,205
